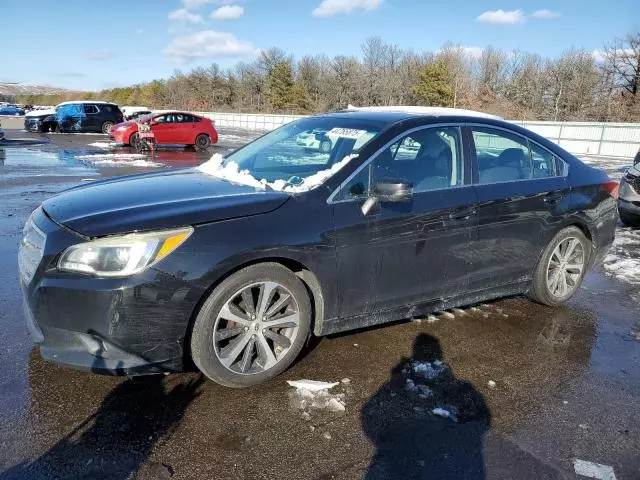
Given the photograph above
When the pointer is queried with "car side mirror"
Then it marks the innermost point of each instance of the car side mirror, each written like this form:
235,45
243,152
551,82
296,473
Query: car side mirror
389,191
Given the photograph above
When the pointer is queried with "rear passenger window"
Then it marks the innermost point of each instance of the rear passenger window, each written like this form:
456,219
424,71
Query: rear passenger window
90,109
501,156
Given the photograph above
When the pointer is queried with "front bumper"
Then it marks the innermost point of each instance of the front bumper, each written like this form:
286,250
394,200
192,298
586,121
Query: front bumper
134,325
119,136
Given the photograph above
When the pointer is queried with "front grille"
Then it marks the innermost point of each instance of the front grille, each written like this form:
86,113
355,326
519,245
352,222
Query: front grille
634,182
31,250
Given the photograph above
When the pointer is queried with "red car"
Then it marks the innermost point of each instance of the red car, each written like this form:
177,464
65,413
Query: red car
169,128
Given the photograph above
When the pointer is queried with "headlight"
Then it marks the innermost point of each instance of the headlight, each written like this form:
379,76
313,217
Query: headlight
123,255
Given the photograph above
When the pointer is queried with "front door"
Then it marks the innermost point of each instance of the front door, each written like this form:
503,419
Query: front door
163,127
90,118
410,252
522,196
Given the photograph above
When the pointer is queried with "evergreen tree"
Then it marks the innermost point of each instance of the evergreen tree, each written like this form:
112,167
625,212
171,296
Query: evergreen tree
280,86
434,85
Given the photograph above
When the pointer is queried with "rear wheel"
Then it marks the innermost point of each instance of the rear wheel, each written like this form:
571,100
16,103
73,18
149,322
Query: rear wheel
252,326
106,127
203,141
562,268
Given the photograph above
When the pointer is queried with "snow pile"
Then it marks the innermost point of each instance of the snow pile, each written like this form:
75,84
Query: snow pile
623,260
314,395
232,173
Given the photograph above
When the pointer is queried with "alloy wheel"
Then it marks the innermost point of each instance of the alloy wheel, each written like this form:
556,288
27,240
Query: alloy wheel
565,268
256,327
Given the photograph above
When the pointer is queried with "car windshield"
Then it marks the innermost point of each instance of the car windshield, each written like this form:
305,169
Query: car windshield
298,156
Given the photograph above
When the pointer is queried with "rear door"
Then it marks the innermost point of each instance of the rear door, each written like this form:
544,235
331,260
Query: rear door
406,253
90,117
522,198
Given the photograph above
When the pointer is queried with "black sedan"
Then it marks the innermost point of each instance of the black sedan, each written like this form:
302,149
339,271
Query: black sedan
233,265
629,195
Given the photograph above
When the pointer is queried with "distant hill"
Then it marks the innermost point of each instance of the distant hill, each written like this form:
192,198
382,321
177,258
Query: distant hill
29,89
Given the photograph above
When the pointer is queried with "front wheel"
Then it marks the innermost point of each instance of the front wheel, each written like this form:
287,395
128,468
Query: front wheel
106,127
203,141
133,140
561,268
252,326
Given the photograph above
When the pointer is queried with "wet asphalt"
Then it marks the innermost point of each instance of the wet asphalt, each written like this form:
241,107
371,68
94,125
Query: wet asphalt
535,388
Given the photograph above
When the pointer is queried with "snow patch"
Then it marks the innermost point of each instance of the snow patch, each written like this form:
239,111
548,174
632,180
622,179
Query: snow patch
623,260
111,156
444,413
314,395
428,370
105,145
126,163
231,172
593,470
312,385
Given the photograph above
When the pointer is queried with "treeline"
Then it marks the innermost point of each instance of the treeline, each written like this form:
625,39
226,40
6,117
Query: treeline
577,85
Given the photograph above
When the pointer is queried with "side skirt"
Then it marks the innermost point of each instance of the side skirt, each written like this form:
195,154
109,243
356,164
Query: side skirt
337,325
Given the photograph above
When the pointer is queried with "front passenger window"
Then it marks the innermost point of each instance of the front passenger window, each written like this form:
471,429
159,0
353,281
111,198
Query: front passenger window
430,159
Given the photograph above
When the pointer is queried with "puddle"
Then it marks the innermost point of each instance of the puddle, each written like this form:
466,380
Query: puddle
30,162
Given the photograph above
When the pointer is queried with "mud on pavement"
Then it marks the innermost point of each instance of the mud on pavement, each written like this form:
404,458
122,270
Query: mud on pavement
509,389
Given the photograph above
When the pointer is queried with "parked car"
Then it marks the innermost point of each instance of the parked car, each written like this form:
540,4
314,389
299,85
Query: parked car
132,111
629,195
316,139
11,110
76,116
169,128
1,132
234,264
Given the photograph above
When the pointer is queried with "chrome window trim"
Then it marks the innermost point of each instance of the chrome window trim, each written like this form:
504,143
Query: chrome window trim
448,124
387,145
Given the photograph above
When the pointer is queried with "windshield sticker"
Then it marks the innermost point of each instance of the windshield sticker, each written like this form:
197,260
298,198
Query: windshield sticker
346,133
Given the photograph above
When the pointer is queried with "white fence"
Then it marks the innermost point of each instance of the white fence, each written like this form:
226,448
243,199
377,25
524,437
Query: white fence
616,140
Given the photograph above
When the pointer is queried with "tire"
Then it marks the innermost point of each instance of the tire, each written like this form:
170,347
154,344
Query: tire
208,354
203,141
325,146
543,289
106,127
133,140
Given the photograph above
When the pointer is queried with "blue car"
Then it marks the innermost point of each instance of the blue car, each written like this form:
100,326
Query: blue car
11,111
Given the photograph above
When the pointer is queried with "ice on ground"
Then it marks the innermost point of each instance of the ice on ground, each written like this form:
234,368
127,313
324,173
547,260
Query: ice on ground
312,385
593,470
623,260
231,172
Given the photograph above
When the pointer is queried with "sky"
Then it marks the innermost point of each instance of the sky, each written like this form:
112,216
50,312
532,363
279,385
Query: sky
89,45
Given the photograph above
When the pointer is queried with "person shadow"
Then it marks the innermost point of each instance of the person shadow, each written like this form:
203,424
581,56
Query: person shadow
424,422
117,440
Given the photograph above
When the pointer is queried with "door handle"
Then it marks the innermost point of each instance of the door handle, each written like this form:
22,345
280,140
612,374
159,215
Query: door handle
462,213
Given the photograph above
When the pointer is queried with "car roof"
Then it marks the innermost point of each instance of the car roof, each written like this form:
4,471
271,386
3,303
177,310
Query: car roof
178,112
96,102
431,111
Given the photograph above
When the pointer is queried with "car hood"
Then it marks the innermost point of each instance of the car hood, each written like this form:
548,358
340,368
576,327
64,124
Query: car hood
153,201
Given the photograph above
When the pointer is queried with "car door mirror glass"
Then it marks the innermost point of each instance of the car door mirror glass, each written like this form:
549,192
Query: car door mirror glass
393,191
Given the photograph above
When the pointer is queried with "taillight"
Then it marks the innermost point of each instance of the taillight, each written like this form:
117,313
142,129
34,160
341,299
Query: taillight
612,188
